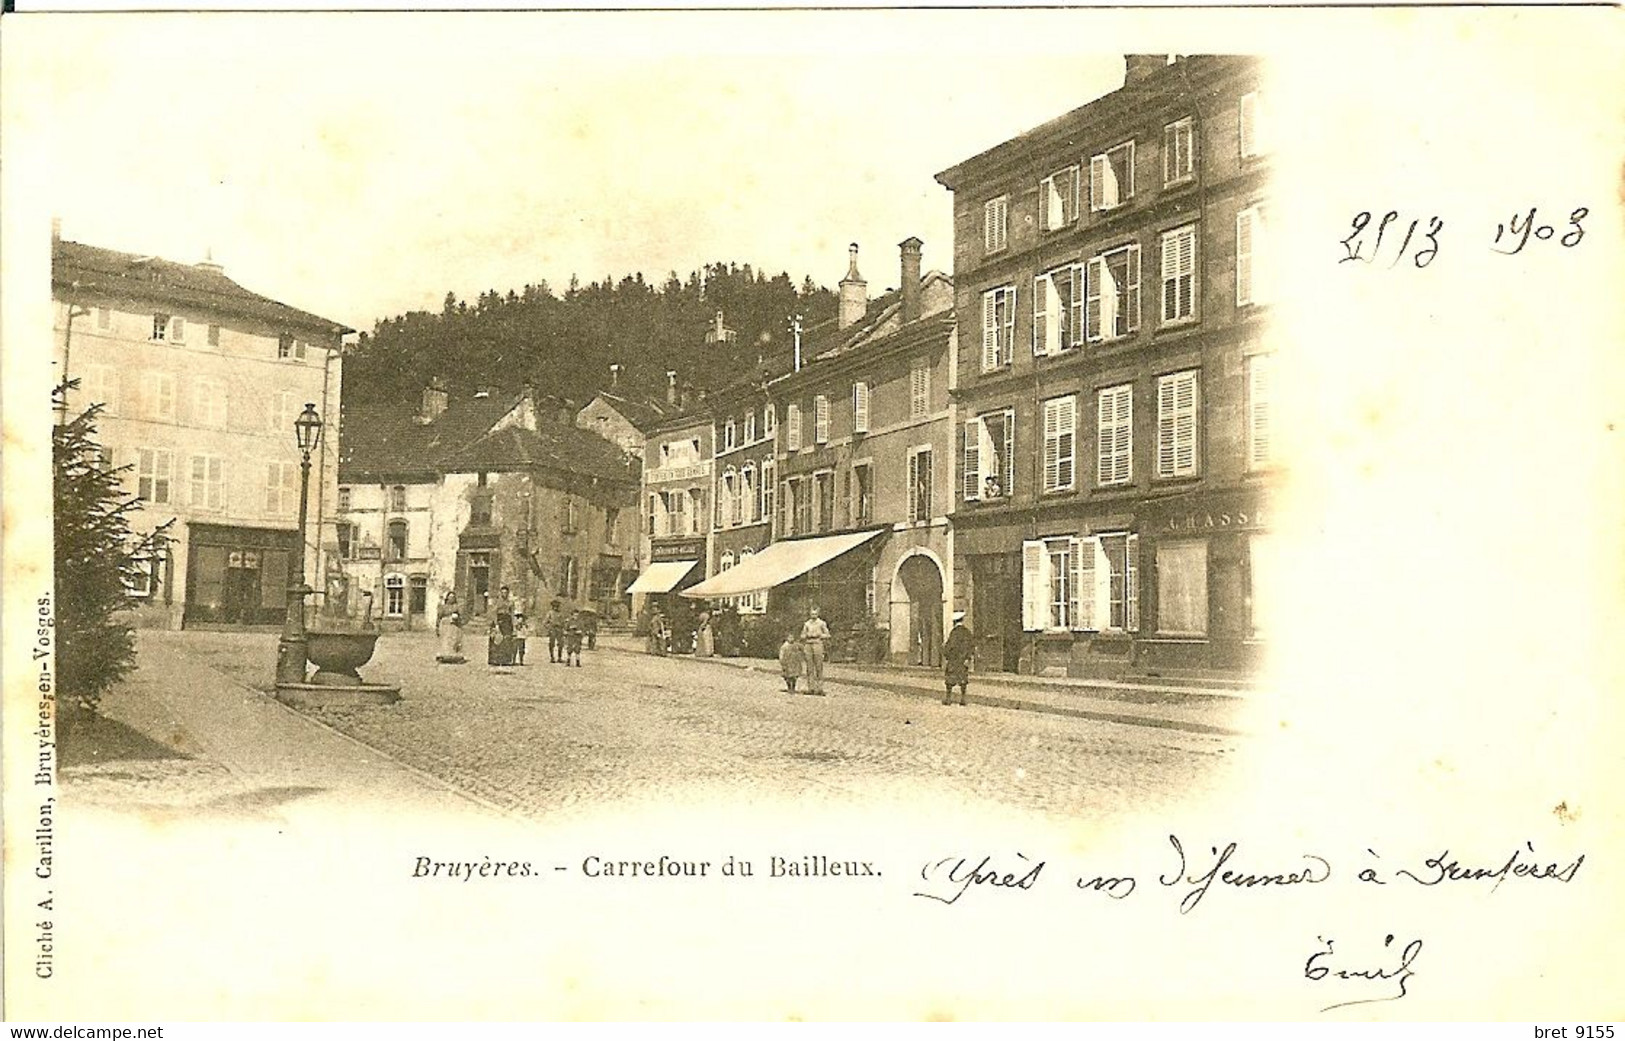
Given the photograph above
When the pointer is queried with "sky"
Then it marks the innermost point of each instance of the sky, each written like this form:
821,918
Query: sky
360,166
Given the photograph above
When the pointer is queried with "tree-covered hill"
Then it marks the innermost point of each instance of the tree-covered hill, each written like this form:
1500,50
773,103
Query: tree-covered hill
565,342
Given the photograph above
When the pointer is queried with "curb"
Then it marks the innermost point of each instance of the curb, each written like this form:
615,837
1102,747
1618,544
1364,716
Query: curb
993,701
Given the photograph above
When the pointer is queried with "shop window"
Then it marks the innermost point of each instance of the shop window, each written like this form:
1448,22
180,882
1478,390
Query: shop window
1182,588
1072,583
394,596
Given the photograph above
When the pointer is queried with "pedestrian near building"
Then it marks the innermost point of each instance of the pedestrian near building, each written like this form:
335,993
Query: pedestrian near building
572,639
520,630
956,657
704,639
589,623
553,622
449,633
658,633
790,661
814,634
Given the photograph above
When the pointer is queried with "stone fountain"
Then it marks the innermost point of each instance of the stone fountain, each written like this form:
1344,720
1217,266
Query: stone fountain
338,647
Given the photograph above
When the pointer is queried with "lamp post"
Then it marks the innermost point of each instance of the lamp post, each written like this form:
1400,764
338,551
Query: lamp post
290,660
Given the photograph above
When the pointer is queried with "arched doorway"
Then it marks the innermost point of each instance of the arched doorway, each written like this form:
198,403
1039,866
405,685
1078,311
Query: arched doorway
917,611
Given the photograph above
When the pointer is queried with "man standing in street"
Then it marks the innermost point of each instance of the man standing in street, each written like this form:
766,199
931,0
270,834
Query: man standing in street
956,656
553,622
813,634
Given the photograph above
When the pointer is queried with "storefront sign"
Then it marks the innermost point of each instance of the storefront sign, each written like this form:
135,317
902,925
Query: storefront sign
667,474
686,549
1214,520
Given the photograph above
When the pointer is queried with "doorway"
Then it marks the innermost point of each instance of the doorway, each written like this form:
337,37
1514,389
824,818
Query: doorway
917,602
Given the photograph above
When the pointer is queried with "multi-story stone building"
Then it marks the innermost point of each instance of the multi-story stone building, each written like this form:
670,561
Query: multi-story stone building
855,441
445,505
675,525
1112,493
201,381
622,418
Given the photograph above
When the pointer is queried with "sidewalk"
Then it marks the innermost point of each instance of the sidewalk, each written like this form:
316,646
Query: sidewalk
1201,710
274,760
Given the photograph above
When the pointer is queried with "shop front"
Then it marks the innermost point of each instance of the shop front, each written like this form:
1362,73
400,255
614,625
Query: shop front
1209,557
238,576
674,565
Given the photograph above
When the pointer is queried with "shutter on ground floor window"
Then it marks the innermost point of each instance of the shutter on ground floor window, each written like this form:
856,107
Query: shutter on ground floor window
1103,584
1131,589
970,445
1083,585
1034,586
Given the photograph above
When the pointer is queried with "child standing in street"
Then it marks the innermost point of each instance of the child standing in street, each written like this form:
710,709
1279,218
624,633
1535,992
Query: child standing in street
790,662
572,640
520,629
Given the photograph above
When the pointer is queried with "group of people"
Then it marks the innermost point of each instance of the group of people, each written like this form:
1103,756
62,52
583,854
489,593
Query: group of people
567,631
802,654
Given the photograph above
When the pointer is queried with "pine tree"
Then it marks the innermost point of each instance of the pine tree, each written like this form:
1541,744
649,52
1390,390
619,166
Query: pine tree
98,557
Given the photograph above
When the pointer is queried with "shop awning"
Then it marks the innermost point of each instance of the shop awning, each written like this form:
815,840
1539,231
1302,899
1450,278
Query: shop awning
661,577
777,564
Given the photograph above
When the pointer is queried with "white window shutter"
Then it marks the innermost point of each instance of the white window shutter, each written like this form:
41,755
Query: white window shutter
1066,442
820,419
1244,257
913,486
1094,319
1110,303
1052,445
990,331
1008,478
860,407
1076,581
1167,427
1248,118
1073,188
1007,338
1258,408
1083,568
1187,402
986,450
1046,208
1102,587
972,472
1131,583
1034,591
1040,315
1132,317
1074,306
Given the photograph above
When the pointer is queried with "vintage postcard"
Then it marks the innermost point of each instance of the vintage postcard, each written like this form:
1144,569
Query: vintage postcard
972,514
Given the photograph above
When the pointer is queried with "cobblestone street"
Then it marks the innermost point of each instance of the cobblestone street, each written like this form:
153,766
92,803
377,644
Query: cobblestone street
543,738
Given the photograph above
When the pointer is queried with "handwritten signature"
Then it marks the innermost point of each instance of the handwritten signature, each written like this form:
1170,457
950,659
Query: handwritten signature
1320,968
950,875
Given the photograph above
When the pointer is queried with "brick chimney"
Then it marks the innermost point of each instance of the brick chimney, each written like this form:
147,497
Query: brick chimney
910,285
854,292
208,262
671,386
1138,67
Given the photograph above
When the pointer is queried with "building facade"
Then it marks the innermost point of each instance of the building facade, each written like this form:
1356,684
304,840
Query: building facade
1114,466
201,381
442,508
675,518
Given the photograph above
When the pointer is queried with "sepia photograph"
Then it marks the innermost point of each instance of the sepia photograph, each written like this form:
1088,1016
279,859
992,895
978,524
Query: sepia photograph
778,515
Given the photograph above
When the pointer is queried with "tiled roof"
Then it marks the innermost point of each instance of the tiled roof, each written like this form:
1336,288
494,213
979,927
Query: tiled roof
387,442
552,445
642,414
129,276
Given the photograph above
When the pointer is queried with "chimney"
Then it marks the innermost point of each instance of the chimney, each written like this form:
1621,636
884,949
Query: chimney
56,230
854,292
671,386
1139,67
911,278
614,376
434,401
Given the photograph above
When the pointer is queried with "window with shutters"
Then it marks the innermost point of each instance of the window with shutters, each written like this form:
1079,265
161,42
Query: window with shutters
1252,125
1179,275
860,407
160,327
676,513
158,396
998,326
281,488
820,419
346,496
1058,310
989,457
208,482
282,409
1060,443
101,387
154,470
919,388
177,329
750,427
1179,151
824,499
652,519
214,336
208,403
792,422
728,504
397,498
1058,199
569,578
1061,587
747,494
1113,298
1178,409
1111,178
996,224
696,511
863,494
919,484
284,347
770,420
728,433
394,596
1252,257
347,540
1182,587
1114,435
769,489
804,504
1259,368
1117,577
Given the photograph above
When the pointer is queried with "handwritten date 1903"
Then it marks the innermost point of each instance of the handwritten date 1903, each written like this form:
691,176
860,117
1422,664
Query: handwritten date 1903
1391,237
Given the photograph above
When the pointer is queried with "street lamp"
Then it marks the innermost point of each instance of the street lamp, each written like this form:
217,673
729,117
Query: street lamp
290,660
